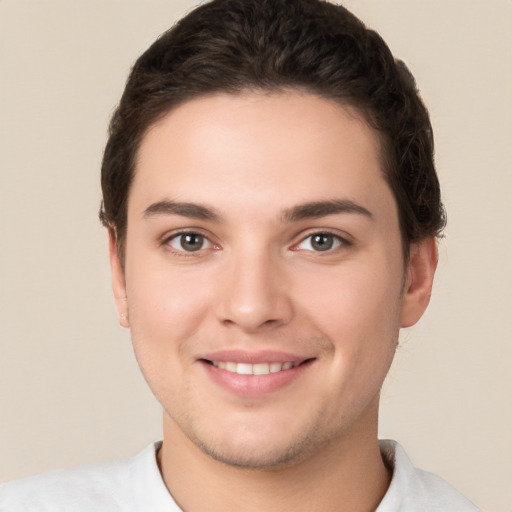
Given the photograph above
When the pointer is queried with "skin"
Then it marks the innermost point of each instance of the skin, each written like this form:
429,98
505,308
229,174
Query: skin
258,283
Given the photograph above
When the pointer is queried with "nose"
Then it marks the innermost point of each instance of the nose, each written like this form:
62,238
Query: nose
254,295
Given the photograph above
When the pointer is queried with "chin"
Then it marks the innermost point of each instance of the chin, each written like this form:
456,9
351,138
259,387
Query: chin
255,458
263,448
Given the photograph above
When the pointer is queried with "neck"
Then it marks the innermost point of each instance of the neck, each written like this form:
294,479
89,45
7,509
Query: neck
348,474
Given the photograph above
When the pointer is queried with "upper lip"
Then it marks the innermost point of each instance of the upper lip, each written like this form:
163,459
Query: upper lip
253,357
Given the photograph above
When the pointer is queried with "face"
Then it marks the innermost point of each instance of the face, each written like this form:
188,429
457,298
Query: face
264,283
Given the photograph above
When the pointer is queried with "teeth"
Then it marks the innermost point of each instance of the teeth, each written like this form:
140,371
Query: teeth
231,367
261,369
275,367
254,369
244,369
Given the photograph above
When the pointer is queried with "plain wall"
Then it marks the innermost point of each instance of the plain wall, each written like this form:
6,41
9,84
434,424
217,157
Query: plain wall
70,390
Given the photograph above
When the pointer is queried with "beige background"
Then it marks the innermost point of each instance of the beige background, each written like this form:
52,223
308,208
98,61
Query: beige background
70,391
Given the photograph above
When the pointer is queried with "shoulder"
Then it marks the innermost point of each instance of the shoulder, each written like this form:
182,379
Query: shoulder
415,490
111,486
93,487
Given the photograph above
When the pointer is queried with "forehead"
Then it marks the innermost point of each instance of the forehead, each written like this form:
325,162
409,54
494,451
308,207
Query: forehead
261,149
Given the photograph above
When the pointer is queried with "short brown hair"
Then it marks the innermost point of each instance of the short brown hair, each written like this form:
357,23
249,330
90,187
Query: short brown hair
276,45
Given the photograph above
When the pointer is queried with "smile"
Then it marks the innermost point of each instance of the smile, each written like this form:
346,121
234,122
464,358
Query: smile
251,375
253,369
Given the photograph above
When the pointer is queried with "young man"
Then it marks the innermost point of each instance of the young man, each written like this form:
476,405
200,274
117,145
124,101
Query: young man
272,207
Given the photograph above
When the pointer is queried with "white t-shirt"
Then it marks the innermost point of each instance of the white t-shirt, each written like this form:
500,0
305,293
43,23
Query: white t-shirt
135,485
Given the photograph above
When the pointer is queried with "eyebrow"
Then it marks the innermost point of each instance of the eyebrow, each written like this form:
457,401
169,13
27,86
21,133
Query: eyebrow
318,209
311,210
190,210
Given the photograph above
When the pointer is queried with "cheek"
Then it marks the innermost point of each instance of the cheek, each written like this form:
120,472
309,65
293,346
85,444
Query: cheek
357,308
166,307
363,300
165,313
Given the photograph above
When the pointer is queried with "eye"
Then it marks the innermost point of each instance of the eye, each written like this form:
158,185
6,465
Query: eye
189,242
320,242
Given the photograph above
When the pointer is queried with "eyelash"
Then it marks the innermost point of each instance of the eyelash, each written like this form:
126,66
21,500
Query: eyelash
179,235
337,242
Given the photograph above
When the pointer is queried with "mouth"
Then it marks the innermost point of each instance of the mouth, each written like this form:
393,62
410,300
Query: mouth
254,373
255,369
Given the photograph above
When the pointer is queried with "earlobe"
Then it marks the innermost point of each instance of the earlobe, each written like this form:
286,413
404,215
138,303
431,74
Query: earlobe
420,276
118,279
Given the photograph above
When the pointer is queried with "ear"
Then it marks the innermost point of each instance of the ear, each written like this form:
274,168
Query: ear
419,278
118,279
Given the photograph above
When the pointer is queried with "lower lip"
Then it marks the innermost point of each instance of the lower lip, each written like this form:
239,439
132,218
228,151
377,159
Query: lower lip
254,385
